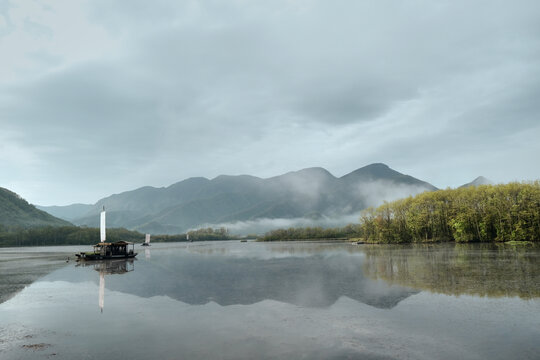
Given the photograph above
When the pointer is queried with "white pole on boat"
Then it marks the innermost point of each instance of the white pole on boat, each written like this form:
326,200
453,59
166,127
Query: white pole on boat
102,225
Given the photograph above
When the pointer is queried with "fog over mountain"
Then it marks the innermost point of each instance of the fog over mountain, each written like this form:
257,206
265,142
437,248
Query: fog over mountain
244,204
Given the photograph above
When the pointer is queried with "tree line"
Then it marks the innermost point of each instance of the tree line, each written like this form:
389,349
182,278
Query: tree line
203,234
73,235
63,235
508,212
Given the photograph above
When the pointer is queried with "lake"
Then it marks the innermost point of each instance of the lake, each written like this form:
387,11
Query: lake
298,300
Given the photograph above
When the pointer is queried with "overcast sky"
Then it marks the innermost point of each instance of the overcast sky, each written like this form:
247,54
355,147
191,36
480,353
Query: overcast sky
102,96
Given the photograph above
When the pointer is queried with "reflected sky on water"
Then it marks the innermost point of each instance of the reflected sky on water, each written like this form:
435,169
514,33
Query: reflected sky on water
232,300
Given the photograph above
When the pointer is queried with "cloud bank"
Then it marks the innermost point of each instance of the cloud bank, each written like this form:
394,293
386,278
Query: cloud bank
98,97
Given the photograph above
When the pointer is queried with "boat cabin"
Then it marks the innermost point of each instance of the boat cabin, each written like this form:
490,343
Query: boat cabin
112,249
116,250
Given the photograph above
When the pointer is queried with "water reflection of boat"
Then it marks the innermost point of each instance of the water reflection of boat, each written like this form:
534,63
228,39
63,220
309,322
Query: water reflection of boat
108,267
146,240
104,250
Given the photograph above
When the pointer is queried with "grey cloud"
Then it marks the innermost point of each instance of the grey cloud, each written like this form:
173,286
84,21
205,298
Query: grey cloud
335,64
341,102
4,18
37,29
92,99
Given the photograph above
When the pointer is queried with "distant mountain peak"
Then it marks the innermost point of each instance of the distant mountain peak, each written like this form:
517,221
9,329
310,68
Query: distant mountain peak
312,173
312,170
382,172
482,180
478,181
376,165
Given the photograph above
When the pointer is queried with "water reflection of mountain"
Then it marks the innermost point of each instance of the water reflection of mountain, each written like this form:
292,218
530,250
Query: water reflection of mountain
313,281
473,269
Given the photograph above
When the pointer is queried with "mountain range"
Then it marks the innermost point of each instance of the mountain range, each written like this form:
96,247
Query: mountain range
312,195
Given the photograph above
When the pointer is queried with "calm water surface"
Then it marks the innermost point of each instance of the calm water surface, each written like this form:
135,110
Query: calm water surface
232,300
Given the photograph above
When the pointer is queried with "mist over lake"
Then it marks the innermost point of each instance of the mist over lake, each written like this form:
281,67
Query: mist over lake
233,300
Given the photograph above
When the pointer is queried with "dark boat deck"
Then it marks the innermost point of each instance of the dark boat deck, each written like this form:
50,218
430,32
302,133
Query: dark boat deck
105,251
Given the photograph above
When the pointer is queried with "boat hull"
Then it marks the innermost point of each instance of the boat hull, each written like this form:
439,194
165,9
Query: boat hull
90,257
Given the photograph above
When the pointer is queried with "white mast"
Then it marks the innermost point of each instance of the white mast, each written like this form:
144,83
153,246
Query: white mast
102,225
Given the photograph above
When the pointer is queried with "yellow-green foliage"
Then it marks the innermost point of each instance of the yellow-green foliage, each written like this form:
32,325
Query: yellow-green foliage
509,212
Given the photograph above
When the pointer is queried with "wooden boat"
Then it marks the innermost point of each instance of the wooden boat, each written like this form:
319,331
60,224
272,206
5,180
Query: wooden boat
146,240
105,250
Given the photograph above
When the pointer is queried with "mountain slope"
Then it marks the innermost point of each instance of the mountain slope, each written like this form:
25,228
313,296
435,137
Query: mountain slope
68,212
308,193
375,183
15,212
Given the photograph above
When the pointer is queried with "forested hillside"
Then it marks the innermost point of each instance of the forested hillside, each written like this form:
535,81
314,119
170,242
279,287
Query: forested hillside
17,213
509,212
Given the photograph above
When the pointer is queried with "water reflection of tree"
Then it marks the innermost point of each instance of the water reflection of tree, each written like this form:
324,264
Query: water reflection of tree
109,267
311,248
484,270
292,248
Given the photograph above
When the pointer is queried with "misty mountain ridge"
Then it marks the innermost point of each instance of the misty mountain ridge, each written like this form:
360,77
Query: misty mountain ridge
15,212
308,197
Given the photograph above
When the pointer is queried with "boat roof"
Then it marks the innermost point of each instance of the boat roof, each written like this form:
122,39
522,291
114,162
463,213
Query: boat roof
115,243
